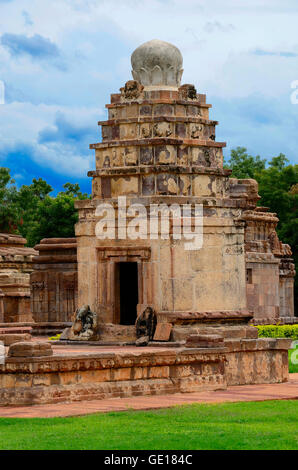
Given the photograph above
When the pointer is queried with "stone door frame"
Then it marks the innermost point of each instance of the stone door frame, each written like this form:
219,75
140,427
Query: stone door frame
108,257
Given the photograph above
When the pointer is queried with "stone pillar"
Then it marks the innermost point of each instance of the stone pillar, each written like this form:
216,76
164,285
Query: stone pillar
286,289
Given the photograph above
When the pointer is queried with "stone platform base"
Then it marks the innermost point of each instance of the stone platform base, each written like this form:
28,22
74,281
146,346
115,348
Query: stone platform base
107,374
151,344
257,361
107,333
240,393
82,372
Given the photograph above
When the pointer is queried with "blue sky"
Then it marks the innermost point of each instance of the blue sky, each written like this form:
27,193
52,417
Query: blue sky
61,59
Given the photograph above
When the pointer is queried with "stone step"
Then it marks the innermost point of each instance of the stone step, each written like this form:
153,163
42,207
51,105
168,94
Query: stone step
15,330
11,338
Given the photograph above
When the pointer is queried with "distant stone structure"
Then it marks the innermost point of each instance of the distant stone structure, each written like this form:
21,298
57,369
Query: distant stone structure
15,267
270,270
54,286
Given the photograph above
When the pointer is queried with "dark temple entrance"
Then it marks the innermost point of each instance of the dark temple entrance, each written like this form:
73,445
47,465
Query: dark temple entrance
127,292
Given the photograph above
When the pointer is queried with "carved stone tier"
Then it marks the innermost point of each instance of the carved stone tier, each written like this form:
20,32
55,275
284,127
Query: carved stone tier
54,283
15,268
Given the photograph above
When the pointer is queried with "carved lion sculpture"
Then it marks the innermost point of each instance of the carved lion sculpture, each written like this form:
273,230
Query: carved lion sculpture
146,324
286,250
275,244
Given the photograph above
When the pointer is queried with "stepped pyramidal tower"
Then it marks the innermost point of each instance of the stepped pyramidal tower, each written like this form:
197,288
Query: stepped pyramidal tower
159,147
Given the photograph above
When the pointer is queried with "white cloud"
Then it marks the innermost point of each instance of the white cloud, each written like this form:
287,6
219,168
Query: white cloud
61,155
218,39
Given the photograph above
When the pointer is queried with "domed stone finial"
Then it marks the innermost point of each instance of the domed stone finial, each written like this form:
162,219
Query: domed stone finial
157,64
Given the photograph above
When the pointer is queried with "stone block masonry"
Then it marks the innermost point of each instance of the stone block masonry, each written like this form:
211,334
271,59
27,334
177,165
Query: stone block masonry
91,373
98,375
54,285
16,264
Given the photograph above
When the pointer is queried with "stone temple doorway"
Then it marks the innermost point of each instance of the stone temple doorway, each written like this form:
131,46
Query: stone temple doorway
124,283
127,289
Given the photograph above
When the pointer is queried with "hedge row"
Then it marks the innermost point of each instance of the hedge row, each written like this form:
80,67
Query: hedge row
278,331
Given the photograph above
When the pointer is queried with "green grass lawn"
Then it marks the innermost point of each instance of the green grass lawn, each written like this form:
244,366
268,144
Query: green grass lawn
254,425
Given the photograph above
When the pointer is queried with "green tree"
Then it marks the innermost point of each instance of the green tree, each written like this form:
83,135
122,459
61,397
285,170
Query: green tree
33,212
28,198
74,190
57,216
244,165
9,214
278,190
276,185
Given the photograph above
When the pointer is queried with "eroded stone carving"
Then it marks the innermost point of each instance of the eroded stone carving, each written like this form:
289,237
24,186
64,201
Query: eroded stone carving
146,130
274,242
132,90
196,130
145,326
286,250
162,129
1,307
85,326
188,92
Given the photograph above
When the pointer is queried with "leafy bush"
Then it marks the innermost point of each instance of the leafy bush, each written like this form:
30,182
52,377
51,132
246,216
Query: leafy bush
278,331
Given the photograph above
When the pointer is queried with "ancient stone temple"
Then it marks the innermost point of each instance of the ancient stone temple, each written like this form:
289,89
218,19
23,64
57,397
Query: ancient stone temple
15,268
159,147
169,252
